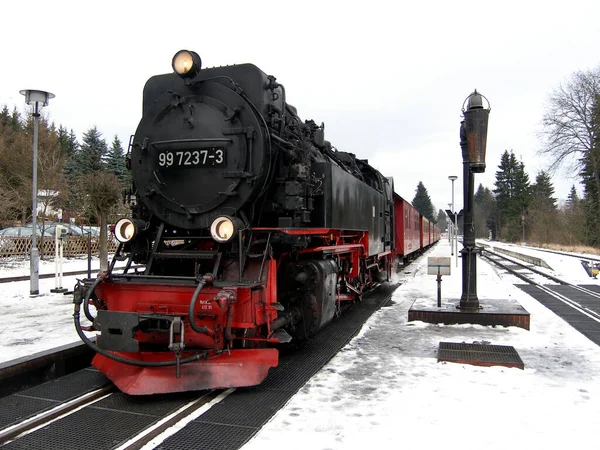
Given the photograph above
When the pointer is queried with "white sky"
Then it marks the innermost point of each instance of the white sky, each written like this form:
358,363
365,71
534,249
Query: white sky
386,387
388,78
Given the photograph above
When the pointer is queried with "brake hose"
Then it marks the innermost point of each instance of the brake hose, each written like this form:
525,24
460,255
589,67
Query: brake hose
107,354
207,278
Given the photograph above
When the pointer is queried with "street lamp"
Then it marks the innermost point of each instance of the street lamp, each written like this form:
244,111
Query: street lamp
450,226
473,139
37,99
453,178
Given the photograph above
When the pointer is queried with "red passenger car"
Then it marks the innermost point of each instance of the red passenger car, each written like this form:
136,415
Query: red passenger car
407,235
424,232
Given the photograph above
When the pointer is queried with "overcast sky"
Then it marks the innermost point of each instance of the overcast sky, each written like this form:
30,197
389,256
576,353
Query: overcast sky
388,78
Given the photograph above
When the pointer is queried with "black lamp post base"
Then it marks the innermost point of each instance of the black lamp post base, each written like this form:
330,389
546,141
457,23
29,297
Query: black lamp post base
504,312
469,303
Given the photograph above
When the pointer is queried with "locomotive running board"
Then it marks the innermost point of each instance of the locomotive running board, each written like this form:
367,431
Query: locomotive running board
237,368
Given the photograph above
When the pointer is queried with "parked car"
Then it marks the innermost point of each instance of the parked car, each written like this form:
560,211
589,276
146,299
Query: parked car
9,237
50,229
24,231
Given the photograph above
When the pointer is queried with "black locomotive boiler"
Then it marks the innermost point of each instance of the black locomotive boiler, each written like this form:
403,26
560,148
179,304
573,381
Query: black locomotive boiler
251,229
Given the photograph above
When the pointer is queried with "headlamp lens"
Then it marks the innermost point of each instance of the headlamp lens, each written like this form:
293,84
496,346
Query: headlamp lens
125,230
222,229
186,63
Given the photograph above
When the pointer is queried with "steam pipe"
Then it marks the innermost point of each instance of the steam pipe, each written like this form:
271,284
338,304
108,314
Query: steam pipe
207,278
86,299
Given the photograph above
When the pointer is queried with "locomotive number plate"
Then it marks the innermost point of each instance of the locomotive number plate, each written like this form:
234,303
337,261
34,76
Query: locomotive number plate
204,157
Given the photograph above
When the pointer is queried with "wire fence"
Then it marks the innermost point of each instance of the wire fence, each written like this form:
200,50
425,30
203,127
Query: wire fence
20,247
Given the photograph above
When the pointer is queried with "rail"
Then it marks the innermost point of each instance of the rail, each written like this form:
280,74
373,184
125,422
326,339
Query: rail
28,425
493,257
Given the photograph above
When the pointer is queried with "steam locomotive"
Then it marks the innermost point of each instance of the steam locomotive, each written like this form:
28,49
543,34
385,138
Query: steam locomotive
251,229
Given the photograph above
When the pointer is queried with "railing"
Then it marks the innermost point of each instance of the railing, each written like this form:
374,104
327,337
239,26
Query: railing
20,247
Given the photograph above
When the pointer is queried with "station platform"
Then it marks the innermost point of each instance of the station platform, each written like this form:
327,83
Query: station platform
494,309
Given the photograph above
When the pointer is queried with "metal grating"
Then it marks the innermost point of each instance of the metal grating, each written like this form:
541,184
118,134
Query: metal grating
581,322
68,387
480,354
232,422
246,408
14,409
151,405
89,428
591,287
17,407
205,436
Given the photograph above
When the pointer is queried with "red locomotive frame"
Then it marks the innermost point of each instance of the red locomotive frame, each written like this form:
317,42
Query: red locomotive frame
232,305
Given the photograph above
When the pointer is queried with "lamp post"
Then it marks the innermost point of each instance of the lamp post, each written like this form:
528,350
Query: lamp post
473,138
37,99
453,178
450,230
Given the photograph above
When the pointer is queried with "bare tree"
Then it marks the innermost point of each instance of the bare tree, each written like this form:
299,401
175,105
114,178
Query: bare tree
102,192
571,126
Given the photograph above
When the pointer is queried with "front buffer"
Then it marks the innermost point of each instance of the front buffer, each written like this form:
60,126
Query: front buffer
246,367
159,338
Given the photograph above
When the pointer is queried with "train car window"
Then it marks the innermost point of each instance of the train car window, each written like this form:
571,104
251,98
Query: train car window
406,221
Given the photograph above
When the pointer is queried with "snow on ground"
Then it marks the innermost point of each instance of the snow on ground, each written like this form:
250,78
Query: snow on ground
33,324
386,387
18,267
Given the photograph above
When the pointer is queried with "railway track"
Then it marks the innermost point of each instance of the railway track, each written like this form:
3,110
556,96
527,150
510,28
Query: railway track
45,418
44,275
16,436
211,420
558,252
584,300
52,275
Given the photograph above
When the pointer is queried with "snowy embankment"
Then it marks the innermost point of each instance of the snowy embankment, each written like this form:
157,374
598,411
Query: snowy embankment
33,324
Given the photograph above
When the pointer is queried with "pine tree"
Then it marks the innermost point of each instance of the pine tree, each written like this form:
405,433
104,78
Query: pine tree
543,211
68,142
543,191
484,213
4,118
573,220
589,202
85,160
116,161
591,178
572,198
16,122
513,195
89,156
442,221
422,202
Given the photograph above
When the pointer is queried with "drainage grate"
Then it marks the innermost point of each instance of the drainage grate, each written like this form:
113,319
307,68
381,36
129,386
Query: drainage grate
480,354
